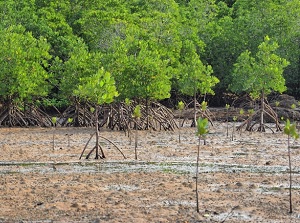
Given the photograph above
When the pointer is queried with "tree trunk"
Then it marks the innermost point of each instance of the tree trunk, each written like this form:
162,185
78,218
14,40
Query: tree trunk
147,114
197,173
261,127
97,133
195,112
136,140
290,171
98,147
76,119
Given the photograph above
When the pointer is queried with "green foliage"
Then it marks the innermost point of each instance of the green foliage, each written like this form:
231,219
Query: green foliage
242,111
92,109
195,76
202,126
180,105
137,112
290,129
140,72
70,120
277,19
251,111
99,88
203,105
54,120
127,101
227,106
149,46
23,60
264,73
293,106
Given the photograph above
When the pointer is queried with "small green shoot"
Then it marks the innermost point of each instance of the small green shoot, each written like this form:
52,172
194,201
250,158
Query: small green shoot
202,127
251,112
137,112
291,131
293,106
180,105
54,120
70,120
202,130
203,106
127,101
242,111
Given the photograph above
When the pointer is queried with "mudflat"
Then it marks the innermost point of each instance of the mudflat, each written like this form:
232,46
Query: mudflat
241,180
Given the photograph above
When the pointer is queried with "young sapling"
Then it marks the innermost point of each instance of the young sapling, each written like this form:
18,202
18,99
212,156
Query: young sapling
98,89
70,120
202,130
291,131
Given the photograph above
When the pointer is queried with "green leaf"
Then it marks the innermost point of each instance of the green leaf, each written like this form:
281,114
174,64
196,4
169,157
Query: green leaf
202,126
242,111
54,120
290,129
203,105
127,101
180,105
137,112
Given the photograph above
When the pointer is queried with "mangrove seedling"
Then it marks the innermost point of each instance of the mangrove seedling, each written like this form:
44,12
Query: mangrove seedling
227,106
291,131
233,128
203,106
202,130
180,107
136,115
54,121
242,112
70,120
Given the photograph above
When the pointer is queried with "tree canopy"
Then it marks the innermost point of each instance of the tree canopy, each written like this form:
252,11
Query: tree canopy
23,63
260,74
150,48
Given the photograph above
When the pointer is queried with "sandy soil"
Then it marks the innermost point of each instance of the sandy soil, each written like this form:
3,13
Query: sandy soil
244,180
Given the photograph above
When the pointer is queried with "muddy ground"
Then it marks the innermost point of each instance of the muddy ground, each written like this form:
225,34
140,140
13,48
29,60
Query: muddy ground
244,180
